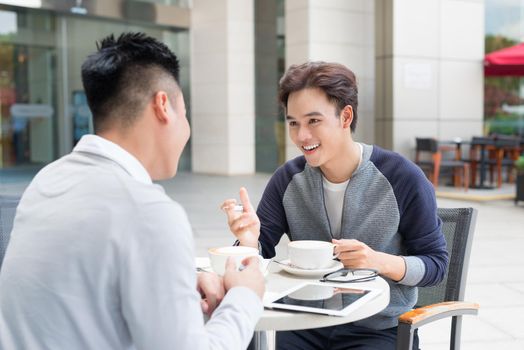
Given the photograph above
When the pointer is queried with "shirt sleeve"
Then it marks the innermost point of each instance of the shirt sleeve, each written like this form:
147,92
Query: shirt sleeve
159,300
415,271
270,211
426,254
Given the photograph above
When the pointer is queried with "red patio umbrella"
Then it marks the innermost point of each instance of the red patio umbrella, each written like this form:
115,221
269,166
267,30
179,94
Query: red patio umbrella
505,62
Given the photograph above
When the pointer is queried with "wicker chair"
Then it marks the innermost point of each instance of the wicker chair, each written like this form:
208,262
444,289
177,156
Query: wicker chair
447,298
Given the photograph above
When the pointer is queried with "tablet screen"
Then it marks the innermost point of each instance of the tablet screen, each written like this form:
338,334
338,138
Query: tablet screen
322,297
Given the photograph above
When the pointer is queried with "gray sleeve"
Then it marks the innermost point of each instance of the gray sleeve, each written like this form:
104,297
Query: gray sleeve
415,270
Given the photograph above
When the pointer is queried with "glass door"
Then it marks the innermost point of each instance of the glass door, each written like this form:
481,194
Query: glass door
27,90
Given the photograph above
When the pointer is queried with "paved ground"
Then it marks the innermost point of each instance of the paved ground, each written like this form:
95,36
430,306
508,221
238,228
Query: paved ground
496,273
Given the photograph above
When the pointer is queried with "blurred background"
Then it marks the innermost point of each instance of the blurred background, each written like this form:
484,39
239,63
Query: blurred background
419,65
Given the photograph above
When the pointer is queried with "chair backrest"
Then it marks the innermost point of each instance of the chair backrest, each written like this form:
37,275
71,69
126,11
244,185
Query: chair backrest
458,225
426,145
479,140
505,141
8,206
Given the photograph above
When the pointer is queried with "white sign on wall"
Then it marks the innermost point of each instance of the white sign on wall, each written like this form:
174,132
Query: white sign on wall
418,76
31,110
35,117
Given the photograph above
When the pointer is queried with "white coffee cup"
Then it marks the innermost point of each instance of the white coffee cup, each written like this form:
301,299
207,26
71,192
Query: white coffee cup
218,256
309,254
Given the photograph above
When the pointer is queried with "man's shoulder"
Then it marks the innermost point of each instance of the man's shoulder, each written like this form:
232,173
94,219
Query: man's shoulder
403,175
95,176
285,173
391,163
380,154
292,167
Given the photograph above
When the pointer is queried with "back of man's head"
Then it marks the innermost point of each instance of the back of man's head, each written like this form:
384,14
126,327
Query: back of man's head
123,75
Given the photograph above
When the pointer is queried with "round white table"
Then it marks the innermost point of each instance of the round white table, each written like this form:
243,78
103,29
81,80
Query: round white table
277,280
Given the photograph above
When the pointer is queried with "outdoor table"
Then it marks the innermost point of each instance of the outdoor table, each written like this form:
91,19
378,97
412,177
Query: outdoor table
277,280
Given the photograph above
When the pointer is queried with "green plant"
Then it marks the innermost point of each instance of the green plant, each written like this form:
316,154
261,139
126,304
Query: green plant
504,123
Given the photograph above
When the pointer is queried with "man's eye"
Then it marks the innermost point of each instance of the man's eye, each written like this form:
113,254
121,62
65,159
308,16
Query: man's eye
292,123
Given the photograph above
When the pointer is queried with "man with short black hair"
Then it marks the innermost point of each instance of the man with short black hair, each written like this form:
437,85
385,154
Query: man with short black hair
100,257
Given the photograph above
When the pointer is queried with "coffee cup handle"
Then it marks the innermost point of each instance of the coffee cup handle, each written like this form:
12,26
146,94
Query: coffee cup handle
335,256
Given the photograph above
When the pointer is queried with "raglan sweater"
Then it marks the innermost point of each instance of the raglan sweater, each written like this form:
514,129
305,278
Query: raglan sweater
389,205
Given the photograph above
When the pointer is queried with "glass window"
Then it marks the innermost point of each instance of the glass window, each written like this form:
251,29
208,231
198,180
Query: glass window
43,108
28,88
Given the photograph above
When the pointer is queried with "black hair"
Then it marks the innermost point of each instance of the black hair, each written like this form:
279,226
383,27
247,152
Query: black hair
336,80
122,76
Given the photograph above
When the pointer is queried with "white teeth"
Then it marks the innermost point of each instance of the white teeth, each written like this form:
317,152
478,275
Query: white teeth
311,147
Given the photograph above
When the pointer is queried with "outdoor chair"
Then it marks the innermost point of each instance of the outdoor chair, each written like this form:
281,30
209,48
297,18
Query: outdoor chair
8,206
506,151
429,157
479,158
447,298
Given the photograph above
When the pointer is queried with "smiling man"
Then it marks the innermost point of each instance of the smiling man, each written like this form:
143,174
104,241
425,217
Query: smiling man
377,206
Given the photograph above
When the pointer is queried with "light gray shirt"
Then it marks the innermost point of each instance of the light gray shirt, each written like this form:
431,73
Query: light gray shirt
101,258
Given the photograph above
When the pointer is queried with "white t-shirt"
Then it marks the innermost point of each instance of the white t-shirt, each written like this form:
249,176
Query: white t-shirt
101,258
334,200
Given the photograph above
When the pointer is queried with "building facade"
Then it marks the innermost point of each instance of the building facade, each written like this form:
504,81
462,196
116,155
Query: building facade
418,64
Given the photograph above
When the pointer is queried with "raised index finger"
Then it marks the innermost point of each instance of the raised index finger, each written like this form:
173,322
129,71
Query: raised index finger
244,198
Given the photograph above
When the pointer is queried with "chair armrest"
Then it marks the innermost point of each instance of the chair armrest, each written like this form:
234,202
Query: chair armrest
430,313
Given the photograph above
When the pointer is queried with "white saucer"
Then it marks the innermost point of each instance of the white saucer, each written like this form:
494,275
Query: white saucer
335,265
203,264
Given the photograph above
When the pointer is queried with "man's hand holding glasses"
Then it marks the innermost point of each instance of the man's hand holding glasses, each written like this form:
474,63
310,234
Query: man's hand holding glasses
356,255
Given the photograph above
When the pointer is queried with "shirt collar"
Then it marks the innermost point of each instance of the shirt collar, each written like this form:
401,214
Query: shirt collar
102,147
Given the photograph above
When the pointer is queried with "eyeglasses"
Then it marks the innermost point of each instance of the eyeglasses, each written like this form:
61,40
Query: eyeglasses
350,275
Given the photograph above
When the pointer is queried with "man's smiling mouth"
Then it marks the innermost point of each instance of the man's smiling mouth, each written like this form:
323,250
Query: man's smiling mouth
311,147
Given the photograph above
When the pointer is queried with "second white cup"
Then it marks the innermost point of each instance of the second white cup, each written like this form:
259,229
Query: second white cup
310,254
218,256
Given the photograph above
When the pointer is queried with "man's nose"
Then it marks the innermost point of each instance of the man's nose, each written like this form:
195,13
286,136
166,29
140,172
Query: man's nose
303,133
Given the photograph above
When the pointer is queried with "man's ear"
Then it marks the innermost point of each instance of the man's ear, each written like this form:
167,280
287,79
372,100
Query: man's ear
161,106
346,116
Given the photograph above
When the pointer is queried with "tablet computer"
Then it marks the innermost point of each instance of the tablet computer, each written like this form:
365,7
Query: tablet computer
321,298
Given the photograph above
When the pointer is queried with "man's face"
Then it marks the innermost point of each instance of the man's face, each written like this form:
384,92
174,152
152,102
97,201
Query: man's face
179,132
314,126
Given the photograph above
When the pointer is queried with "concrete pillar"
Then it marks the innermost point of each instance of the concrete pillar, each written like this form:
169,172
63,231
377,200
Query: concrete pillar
336,31
222,87
429,71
